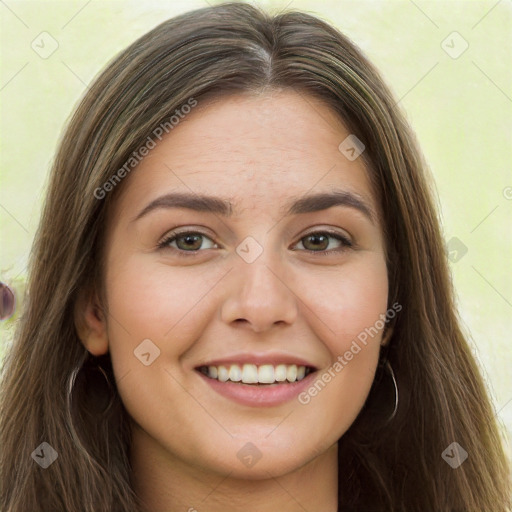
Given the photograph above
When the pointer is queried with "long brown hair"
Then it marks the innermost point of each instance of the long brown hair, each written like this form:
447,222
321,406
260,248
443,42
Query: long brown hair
229,48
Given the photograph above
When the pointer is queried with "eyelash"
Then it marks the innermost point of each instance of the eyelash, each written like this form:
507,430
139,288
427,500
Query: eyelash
164,244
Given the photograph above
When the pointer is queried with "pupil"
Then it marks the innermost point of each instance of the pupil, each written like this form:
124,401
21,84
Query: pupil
189,239
317,238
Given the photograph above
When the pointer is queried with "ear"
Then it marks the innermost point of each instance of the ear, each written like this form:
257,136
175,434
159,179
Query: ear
90,323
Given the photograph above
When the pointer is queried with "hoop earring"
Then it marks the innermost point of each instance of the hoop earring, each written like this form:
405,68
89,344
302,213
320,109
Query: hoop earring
380,395
72,379
86,363
387,364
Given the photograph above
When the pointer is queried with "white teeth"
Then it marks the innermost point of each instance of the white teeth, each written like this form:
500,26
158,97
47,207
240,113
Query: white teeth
252,374
280,372
235,374
266,374
291,373
223,374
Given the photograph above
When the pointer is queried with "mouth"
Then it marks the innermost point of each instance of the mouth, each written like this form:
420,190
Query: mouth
257,379
264,375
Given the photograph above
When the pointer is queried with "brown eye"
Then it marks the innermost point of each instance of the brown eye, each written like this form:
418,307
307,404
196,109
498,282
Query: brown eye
188,241
320,242
316,241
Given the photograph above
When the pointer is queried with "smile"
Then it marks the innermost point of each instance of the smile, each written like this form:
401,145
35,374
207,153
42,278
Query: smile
256,375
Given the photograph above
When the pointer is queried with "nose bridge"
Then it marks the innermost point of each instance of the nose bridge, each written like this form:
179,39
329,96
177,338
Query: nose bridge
259,293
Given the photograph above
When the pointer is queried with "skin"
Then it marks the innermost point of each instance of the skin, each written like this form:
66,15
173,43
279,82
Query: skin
260,152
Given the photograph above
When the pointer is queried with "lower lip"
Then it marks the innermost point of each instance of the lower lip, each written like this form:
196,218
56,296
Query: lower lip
259,396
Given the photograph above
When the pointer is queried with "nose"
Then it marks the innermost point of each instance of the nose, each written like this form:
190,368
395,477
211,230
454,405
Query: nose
260,296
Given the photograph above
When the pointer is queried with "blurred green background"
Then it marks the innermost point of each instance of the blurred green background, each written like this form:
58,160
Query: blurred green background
449,64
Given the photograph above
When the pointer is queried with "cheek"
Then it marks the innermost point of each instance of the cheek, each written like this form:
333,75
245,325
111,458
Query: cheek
155,302
349,306
349,302
168,306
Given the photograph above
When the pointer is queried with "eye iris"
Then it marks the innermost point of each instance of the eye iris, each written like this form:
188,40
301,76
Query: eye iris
317,238
189,239
317,241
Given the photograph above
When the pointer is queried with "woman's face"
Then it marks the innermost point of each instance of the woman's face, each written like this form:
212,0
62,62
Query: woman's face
254,285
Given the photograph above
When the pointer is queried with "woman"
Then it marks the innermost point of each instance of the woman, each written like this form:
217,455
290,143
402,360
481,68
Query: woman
190,342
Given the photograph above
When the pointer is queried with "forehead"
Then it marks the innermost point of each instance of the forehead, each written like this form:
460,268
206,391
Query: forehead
257,151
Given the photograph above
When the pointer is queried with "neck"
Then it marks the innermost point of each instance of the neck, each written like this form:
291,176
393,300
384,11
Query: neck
163,483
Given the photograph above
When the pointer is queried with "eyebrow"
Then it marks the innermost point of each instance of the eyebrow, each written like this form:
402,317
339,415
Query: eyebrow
306,204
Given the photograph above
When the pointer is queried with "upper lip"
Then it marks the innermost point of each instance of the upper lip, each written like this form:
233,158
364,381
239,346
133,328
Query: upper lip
258,360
